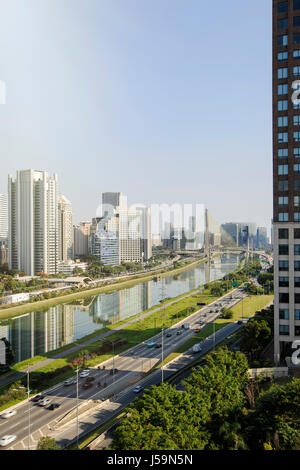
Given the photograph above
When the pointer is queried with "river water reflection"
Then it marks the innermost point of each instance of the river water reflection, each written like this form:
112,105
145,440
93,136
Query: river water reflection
38,332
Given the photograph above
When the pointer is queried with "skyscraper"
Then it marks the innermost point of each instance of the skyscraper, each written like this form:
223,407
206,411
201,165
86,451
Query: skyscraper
33,222
81,239
286,176
3,218
65,229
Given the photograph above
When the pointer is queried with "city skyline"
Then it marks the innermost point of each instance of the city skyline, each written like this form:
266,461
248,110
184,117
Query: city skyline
176,123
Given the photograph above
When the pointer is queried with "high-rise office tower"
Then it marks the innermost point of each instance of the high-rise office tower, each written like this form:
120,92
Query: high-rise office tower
112,200
286,176
3,218
81,239
65,229
33,222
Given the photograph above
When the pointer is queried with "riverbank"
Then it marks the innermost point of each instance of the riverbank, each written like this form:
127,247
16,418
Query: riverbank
10,312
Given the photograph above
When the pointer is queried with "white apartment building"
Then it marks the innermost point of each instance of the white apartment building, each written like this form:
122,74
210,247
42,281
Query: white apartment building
65,229
3,218
33,222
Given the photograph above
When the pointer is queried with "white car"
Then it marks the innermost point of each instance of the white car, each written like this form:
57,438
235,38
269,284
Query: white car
45,402
83,374
8,439
8,414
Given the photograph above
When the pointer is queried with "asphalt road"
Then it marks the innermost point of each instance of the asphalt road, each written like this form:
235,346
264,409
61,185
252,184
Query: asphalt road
131,366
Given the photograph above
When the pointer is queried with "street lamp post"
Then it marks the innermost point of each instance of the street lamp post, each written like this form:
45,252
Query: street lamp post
28,395
162,355
77,418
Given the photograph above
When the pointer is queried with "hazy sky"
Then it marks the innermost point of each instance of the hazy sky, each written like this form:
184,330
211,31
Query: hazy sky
165,100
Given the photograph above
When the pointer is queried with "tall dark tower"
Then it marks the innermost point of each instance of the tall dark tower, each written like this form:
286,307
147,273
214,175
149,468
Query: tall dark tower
286,176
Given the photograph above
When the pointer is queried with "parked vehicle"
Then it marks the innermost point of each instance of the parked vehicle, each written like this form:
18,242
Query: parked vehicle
8,414
8,439
197,348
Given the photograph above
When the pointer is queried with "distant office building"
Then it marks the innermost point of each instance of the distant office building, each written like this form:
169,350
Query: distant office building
3,218
130,225
104,240
65,229
4,254
262,237
156,239
81,239
146,238
111,201
33,222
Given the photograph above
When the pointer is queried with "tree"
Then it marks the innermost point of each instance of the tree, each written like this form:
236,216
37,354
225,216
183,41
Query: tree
256,335
47,443
77,271
163,419
277,418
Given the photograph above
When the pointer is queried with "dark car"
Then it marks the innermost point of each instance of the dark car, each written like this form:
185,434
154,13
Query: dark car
87,385
53,406
158,345
178,332
38,398
168,335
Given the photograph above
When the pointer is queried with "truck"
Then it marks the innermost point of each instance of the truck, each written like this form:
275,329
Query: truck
186,326
197,348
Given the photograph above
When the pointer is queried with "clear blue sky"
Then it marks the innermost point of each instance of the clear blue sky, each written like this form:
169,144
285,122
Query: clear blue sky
165,100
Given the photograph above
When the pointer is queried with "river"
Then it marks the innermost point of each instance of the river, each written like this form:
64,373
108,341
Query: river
36,333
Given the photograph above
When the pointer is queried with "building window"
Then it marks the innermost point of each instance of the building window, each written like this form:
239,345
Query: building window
282,23
296,233
296,265
283,169
297,168
296,249
282,40
283,282
283,153
296,120
283,72
284,330
284,313
297,314
297,281
283,201
283,137
283,249
282,121
296,54
283,185
297,185
297,136
297,201
284,297
296,4
297,152
282,56
283,233
296,216
297,330
283,89
282,7
296,21
283,216
283,105
283,265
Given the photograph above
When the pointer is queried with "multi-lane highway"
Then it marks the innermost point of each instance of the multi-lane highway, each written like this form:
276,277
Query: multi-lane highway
131,366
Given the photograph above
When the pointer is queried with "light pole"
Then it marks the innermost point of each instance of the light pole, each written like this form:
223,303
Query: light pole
28,394
77,418
162,355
